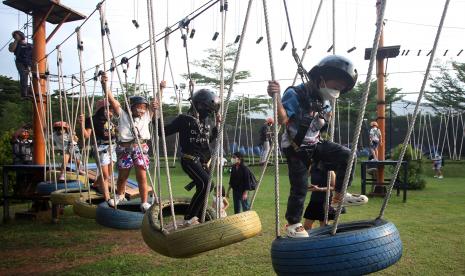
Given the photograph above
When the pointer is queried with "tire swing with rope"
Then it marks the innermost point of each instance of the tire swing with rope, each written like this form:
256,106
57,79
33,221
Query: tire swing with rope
353,248
213,232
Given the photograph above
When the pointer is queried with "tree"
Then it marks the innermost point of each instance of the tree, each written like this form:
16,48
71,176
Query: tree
449,88
14,111
211,67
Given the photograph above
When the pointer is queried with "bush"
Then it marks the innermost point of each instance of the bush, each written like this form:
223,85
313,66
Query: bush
414,169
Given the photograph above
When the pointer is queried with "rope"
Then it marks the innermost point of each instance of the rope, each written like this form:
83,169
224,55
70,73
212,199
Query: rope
155,81
275,115
308,39
251,136
361,114
227,101
463,136
328,181
415,113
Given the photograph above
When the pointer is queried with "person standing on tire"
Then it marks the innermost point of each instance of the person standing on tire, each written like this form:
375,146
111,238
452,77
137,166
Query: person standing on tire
131,132
265,139
23,53
304,110
195,135
104,130
239,183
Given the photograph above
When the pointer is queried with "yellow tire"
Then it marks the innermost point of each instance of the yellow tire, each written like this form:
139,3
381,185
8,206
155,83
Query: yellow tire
70,176
86,209
193,240
69,196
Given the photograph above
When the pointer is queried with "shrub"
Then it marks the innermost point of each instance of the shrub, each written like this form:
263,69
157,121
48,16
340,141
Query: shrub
415,178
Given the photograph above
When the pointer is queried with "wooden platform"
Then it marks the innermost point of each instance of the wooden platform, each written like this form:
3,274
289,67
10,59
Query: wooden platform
57,13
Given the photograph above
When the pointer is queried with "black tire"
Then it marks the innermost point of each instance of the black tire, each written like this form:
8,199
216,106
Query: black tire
47,187
358,248
127,216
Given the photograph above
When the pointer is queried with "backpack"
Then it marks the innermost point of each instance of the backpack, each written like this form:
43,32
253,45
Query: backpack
252,181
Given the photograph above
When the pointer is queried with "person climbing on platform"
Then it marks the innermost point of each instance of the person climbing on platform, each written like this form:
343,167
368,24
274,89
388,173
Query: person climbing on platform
133,126
66,145
22,146
195,135
265,139
304,110
23,60
375,139
104,132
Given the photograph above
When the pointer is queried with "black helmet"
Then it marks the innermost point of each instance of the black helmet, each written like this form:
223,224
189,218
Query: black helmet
133,100
205,100
335,67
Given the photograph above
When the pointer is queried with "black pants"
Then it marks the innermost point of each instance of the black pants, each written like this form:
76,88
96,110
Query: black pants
335,158
23,72
200,177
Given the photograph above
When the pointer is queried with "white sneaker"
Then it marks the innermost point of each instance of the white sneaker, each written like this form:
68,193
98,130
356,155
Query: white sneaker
190,222
296,231
145,206
440,177
119,198
350,200
435,176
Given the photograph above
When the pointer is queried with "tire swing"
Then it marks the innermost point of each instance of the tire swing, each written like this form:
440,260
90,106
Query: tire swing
47,187
196,239
210,233
127,215
87,208
69,196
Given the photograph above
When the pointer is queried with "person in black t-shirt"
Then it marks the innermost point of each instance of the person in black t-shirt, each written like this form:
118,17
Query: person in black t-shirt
316,207
103,130
195,135
23,54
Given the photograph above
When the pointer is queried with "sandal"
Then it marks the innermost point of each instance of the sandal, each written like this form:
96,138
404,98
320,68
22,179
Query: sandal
190,222
349,200
296,231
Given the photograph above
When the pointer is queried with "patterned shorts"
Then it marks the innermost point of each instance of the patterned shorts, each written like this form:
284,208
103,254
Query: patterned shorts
131,156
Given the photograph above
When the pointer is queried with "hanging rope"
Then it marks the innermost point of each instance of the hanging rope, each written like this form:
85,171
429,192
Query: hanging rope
275,115
227,100
155,83
415,113
361,114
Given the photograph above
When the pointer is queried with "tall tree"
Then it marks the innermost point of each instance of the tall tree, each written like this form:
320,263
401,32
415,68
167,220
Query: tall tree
448,87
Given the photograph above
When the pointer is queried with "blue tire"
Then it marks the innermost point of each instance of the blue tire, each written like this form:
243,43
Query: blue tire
358,248
48,187
127,216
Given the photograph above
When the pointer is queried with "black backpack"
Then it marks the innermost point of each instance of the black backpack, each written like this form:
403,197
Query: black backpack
252,181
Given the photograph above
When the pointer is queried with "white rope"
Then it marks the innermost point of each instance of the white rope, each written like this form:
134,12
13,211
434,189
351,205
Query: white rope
251,135
361,114
463,136
227,100
415,113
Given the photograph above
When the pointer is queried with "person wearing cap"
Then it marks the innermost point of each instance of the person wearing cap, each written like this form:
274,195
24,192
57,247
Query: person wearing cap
132,149
22,146
304,110
67,145
104,133
23,59
196,132
265,139
375,139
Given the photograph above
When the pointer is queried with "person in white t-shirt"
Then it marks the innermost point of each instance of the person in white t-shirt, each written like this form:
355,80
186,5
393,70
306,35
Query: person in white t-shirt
129,153
375,139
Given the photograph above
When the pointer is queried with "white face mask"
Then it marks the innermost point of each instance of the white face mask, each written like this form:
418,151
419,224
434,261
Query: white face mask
329,93
233,160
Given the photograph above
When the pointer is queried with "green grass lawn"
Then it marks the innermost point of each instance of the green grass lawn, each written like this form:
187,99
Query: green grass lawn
431,225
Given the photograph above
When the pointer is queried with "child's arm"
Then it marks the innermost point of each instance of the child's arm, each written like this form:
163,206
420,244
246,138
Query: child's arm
85,131
155,105
225,203
113,102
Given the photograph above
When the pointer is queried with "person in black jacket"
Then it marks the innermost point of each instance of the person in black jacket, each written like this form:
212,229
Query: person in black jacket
239,182
23,54
195,134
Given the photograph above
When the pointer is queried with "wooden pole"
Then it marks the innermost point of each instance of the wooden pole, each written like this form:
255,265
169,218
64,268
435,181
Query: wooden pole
381,104
38,54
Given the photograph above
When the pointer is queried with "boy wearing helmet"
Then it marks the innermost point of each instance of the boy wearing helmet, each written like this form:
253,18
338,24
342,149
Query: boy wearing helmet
22,147
23,59
195,135
375,139
128,151
304,110
66,144
104,128
265,139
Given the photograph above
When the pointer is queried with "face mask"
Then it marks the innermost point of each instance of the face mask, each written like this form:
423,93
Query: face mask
329,93
233,160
